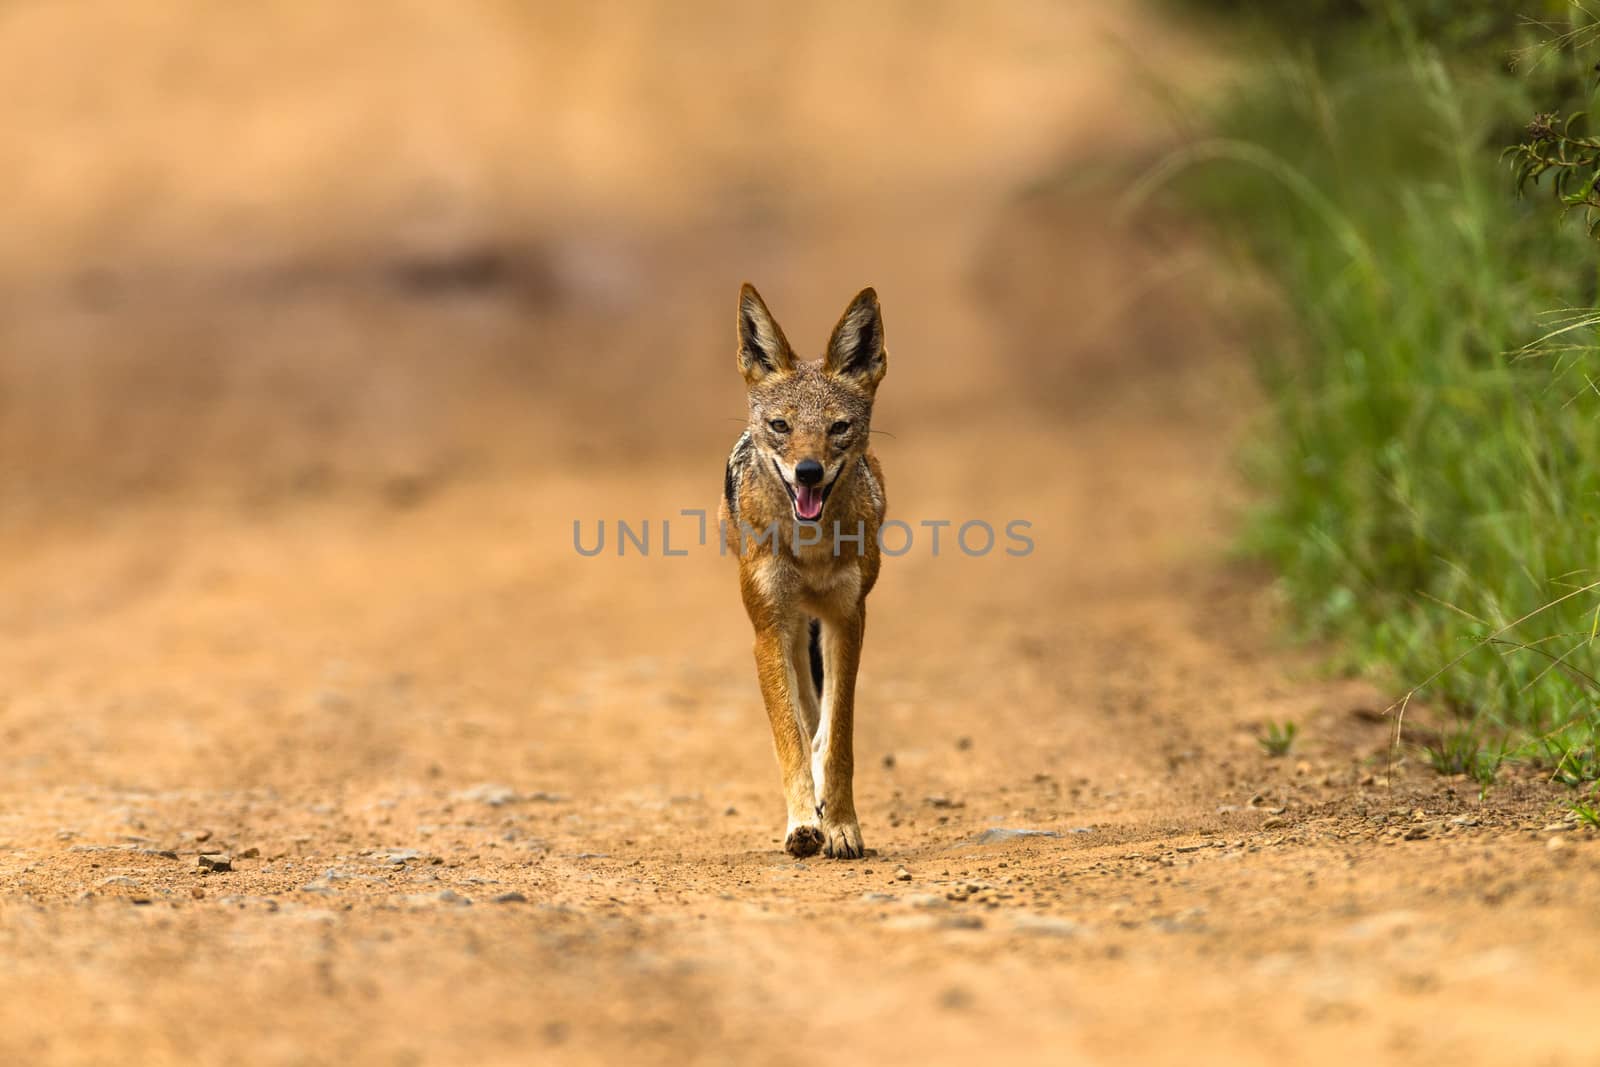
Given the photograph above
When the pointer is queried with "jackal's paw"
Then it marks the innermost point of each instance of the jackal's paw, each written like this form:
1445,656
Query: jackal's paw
843,839
803,841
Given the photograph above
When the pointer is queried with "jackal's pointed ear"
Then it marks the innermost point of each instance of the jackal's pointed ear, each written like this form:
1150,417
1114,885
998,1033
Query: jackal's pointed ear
763,349
856,348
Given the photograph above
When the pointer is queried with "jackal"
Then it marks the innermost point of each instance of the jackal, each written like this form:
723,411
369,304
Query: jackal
802,502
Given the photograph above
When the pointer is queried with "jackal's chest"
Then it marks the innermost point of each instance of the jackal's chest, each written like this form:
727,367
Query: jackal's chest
827,586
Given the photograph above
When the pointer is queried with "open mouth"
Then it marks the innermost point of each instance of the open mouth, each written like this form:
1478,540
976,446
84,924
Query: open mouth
807,499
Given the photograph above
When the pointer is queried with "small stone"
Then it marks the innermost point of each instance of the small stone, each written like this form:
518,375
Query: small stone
512,897
250,853
1555,844
731,810
1045,925
1273,823
902,875
215,861
398,857
938,801
492,794
120,880
963,744
315,915
159,853
418,901
998,835
888,761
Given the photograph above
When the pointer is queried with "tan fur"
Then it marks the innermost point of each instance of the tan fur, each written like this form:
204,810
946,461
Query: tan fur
785,585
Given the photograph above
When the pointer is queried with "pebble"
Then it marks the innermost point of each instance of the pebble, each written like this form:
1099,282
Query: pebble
902,875
239,901
314,915
492,794
417,901
512,897
996,835
216,861
1045,925
399,857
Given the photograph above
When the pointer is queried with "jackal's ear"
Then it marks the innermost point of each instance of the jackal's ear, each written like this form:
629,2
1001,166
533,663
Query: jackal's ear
763,349
856,348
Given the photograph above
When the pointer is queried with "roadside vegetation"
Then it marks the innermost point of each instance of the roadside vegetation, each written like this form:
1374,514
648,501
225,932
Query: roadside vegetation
1430,473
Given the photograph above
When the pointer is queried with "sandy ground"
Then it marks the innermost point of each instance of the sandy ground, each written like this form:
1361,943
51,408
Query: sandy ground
486,801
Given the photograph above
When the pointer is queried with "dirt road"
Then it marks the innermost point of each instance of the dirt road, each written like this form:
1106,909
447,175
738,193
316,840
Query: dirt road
486,800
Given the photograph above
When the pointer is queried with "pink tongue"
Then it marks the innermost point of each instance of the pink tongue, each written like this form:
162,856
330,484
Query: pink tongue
808,501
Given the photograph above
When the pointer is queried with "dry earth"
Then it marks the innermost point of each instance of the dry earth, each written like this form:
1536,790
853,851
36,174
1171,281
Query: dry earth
487,801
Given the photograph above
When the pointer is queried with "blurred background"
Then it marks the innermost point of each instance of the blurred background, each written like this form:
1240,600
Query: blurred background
302,247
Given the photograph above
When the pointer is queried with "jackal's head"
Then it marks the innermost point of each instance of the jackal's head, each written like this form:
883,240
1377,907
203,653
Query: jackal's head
809,421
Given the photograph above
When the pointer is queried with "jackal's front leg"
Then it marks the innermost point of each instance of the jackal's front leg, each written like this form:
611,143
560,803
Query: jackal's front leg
833,755
776,667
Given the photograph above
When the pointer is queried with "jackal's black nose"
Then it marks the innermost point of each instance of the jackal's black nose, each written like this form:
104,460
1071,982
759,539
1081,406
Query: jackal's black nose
808,472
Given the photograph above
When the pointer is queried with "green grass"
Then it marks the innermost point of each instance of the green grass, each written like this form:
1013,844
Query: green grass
1278,738
1431,498
1588,811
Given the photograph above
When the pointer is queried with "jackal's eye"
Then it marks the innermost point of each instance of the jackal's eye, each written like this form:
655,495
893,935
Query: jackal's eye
778,426
839,427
